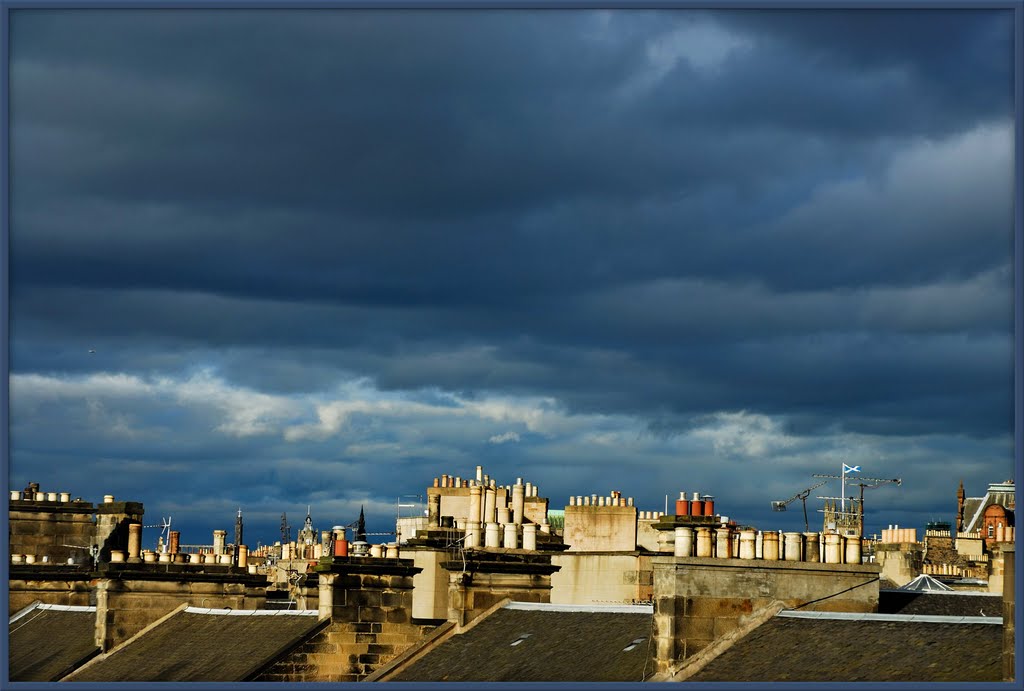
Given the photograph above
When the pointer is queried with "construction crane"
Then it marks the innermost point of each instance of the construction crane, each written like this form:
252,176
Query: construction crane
802,496
863,483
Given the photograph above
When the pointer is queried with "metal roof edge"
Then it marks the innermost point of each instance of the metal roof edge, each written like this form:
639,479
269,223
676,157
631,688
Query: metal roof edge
870,616
252,612
600,609
954,591
68,608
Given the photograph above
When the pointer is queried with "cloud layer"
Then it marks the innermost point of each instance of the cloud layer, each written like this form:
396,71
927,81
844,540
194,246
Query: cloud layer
323,256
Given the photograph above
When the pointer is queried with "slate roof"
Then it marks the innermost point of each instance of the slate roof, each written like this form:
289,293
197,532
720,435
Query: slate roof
48,641
529,642
953,604
198,644
835,647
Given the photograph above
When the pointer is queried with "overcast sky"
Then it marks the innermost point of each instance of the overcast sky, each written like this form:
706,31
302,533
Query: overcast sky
325,256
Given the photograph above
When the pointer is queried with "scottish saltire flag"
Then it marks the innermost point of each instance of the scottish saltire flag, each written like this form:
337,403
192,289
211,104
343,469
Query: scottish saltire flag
850,469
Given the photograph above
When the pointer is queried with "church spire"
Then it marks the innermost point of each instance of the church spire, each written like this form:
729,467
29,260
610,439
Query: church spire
361,527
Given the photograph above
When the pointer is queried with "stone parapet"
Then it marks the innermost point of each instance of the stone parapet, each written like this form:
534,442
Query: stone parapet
697,601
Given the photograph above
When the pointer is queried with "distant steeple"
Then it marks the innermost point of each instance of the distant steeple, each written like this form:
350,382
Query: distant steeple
960,498
361,527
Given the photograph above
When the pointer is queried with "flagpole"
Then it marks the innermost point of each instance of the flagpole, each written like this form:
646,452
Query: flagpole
843,499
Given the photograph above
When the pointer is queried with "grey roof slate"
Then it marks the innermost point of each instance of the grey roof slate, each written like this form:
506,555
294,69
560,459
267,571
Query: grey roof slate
46,641
823,649
551,644
953,604
204,645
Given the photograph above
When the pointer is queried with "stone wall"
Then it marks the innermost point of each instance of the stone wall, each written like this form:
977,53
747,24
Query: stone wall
899,563
697,601
1009,608
51,585
997,565
369,605
486,577
430,585
58,530
127,602
112,521
592,578
600,528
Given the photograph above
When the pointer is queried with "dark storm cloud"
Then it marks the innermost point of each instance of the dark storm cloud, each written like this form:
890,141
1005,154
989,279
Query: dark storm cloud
660,216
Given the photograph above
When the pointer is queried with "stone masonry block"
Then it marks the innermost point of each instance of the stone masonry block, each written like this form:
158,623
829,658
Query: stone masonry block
397,616
720,607
367,598
697,628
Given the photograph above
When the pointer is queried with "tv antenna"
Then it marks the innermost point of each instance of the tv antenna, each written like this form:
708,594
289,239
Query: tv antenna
165,530
802,496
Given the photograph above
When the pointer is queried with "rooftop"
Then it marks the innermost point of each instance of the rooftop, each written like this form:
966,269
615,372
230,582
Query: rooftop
199,644
820,646
48,641
528,642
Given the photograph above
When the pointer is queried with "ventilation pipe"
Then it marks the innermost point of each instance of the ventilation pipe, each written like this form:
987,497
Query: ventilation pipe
833,548
510,535
51,496
572,500
134,540
704,542
148,556
682,505
517,503
377,551
490,504
434,509
530,536
770,546
340,545
748,538
504,515
853,549
479,474
723,543
65,497
684,542
107,498
15,495
793,546
812,545
218,541
473,534
709,505
392,552
696,505
492,537
474,504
